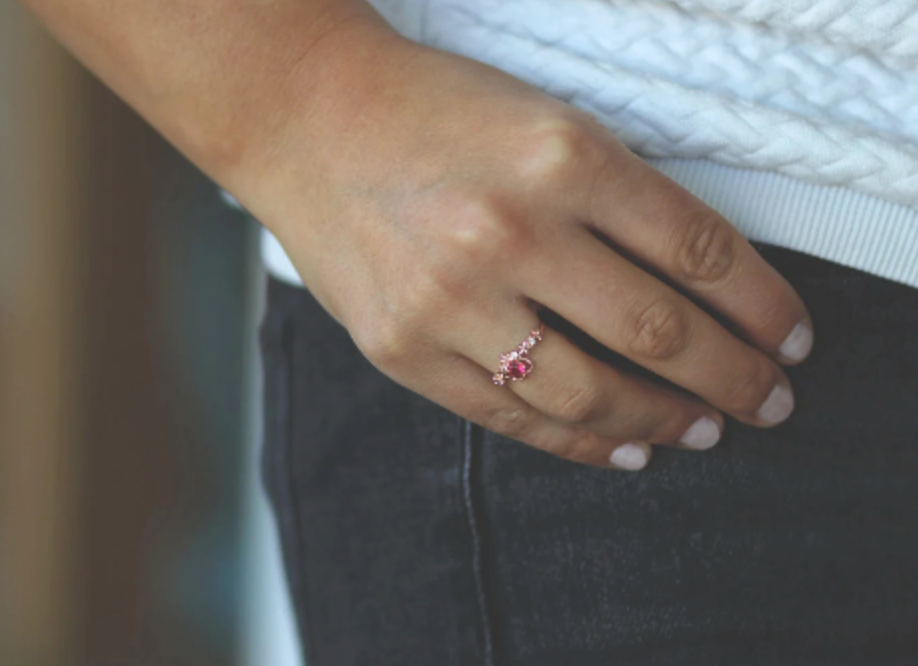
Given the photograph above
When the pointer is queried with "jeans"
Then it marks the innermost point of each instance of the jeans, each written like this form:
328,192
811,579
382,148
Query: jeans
413,537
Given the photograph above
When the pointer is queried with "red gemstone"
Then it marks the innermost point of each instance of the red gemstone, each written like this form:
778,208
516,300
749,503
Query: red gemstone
519,368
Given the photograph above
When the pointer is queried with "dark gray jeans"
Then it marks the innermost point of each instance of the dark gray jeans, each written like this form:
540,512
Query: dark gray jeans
412,537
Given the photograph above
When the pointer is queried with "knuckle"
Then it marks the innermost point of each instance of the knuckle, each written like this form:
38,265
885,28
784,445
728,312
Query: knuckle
579,405
418,303
386,343
392,332
581,448
511,422
705,247
479,234
749,389
558,145
660,331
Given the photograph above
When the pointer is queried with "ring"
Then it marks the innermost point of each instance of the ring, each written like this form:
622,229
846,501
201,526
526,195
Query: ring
516,365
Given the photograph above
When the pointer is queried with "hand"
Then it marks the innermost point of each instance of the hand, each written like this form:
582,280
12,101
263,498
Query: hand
445,203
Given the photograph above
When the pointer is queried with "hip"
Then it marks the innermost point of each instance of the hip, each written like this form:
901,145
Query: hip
412,536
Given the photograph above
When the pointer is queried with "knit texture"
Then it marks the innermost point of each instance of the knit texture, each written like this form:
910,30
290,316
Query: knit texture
888,28
675,83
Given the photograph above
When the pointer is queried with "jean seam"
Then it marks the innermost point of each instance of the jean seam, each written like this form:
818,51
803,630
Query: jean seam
286,472
469,437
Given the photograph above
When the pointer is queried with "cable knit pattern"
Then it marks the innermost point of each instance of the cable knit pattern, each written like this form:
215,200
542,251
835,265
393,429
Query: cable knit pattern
738,61
889,28
671,84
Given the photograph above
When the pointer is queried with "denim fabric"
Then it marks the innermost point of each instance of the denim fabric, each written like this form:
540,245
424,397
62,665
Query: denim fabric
412,537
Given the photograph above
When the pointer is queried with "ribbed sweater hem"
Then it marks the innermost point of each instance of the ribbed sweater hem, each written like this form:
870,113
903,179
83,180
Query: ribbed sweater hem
830,222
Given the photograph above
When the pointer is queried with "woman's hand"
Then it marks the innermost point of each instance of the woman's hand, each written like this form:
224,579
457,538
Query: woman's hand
439,204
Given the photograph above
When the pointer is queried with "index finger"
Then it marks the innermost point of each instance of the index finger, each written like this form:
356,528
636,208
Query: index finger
663,225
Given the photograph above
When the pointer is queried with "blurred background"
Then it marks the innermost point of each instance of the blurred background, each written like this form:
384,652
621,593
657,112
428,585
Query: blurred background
133,530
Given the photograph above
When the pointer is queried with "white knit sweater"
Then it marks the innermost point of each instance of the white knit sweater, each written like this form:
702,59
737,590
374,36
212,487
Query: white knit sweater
797,119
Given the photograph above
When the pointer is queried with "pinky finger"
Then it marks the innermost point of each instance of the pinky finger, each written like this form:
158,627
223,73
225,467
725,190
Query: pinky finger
470,394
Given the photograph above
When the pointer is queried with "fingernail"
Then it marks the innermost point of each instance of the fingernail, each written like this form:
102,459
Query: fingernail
778,406
799,343
703,434
629,456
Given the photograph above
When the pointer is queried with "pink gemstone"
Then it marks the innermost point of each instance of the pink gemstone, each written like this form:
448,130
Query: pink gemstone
519,368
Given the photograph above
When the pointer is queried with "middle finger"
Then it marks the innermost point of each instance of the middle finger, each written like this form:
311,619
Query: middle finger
635,314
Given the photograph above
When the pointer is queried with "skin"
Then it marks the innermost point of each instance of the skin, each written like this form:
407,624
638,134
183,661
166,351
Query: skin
433,205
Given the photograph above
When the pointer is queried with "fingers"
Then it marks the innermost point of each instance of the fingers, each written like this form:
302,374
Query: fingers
468,392
664,226
570,387
633,313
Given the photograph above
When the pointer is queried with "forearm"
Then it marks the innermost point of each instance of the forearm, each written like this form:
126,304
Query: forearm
220,79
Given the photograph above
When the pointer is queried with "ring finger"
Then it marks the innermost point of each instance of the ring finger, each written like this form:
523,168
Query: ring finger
571,387
470,394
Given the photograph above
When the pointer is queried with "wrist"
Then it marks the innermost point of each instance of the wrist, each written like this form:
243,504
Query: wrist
300,118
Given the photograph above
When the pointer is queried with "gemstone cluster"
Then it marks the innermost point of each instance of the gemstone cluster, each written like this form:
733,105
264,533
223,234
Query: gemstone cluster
517,365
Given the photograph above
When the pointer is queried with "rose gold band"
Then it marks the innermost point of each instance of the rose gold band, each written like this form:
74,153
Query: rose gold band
516,365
